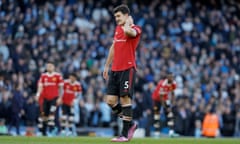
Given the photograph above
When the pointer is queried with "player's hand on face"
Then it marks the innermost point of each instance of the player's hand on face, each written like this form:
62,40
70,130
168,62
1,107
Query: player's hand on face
129,20
105,73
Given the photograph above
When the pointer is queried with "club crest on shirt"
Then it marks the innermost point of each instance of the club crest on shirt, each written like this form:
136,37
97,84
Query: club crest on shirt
171,88
54,79
75,88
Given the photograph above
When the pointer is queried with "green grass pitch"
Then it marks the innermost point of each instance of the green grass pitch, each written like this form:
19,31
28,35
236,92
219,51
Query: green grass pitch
99,140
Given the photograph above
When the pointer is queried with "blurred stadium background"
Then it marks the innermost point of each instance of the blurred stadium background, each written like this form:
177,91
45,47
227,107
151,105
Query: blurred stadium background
199,41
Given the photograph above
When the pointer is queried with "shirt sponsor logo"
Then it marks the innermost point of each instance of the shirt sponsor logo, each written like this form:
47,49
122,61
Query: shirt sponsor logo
120,40
69,91
49,84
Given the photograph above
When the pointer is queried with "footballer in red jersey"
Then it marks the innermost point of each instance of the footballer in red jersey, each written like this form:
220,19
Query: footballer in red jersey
50,88
162,96
122,76
72,89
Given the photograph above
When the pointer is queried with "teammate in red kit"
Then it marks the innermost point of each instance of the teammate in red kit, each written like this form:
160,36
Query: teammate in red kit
72,89
161,98
122,76
50,88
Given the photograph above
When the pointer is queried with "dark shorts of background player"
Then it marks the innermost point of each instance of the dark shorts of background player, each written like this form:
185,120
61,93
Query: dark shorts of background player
121,83
66,109
47,104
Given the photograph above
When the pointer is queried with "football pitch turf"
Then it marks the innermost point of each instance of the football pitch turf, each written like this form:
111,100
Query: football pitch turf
97,140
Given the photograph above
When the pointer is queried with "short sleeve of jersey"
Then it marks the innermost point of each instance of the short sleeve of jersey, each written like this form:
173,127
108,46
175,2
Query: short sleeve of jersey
40,81
138,29
65,84
174,85
60,80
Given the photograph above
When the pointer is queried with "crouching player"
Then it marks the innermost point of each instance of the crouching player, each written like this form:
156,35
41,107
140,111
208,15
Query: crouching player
162,100
72,89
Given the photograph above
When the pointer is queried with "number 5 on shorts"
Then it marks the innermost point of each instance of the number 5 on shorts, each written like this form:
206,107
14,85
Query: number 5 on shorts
126,85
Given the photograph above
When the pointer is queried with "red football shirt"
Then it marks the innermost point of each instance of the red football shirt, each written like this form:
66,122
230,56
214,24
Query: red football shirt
164,89
124,49
70,90
50,83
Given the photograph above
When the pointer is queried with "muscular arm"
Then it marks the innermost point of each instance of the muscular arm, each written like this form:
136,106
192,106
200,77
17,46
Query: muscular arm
128,30
108,62
110,56
39,90
60,89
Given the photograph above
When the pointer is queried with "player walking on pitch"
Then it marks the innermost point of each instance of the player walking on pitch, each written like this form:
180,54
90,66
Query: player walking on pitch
123,68
50,88
161,99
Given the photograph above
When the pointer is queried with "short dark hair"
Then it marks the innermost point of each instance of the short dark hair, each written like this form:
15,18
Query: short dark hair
50,62
169,73
121,8
73,74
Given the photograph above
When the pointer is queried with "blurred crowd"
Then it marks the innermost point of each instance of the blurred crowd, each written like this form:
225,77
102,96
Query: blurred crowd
198,41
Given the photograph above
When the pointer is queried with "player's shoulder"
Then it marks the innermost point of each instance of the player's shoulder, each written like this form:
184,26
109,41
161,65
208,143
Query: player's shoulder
57,74
137,28
174,83
163,81
44,74
66,81
78,83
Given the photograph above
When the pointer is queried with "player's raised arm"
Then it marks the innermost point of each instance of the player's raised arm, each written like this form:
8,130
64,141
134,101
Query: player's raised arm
128,30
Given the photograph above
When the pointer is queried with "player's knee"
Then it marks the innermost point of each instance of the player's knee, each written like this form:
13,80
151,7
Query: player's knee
51,117
42,114
110,101
125,100
64,117
53,109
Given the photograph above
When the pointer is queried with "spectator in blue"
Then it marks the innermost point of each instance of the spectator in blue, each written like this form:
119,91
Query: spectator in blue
16,110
